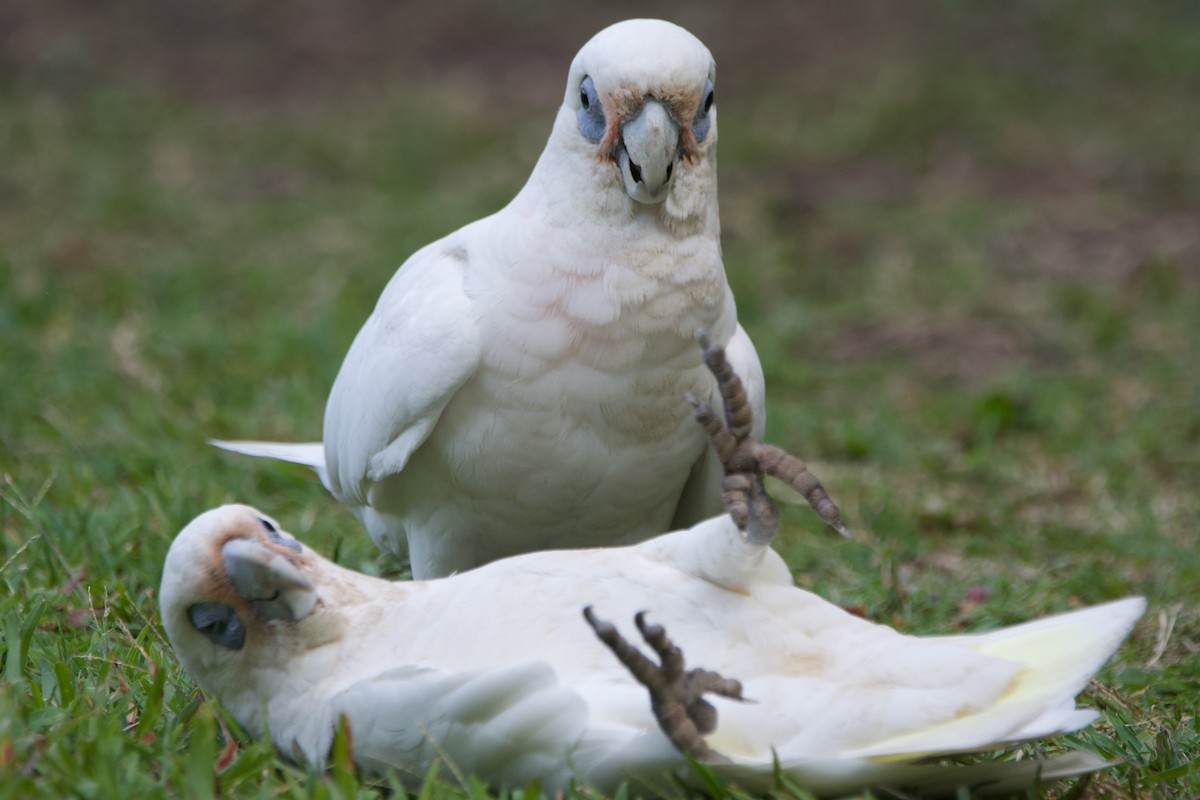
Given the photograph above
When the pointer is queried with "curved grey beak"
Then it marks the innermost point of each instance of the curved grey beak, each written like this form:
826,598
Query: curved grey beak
650,145
276,588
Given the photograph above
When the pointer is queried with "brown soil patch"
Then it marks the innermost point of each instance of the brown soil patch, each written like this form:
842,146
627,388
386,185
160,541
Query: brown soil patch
969,352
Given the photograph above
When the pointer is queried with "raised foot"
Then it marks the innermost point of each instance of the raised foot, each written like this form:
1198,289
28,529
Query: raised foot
676,694
746,461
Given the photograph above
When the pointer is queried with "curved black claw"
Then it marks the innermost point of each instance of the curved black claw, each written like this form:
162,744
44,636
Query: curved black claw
745,461
676,694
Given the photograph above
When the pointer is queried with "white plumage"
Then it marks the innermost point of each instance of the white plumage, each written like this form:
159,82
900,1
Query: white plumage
520,383
495,670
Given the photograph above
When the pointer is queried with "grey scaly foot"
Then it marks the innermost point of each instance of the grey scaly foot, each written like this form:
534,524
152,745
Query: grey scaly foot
676,693
746,461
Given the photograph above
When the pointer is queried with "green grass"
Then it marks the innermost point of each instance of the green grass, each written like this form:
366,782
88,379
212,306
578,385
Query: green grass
964,238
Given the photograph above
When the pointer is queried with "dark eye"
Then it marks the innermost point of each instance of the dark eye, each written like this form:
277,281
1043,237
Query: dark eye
219,623
703,121
591,113
275,536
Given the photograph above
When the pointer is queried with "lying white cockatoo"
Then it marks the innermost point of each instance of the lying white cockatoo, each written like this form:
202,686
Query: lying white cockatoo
495,672
519,384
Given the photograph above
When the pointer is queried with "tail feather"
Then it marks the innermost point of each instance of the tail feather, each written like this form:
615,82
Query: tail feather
1060,654
310,454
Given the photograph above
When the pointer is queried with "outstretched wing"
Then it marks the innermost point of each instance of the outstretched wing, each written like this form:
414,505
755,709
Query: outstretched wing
511,724
414,352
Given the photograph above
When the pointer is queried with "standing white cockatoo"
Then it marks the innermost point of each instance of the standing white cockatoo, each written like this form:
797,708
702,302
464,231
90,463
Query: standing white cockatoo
495,672
519,384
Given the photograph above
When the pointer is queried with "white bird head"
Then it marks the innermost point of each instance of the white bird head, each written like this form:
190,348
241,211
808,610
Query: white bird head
640,105
233,582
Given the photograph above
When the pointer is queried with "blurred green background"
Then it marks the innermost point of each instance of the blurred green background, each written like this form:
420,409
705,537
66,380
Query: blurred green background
965,238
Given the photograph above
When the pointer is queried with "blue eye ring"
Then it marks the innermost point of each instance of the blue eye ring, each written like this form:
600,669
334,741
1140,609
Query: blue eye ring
703,121
219,623
591,113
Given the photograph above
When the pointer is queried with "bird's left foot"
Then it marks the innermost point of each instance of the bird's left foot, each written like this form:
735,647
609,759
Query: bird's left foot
676,693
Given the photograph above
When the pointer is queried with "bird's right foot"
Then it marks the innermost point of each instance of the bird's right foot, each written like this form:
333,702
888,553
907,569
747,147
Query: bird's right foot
746,461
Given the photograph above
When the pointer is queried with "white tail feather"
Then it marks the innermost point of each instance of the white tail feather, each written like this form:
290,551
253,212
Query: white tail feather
310,454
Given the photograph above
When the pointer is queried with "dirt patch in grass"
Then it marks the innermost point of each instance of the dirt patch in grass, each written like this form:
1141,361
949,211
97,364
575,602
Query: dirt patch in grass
966,352
1108,252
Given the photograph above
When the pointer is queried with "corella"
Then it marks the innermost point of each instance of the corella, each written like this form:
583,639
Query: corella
520,383
529,668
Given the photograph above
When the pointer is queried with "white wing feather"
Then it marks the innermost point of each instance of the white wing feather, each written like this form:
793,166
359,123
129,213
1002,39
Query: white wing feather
516,724
419,346
511,723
